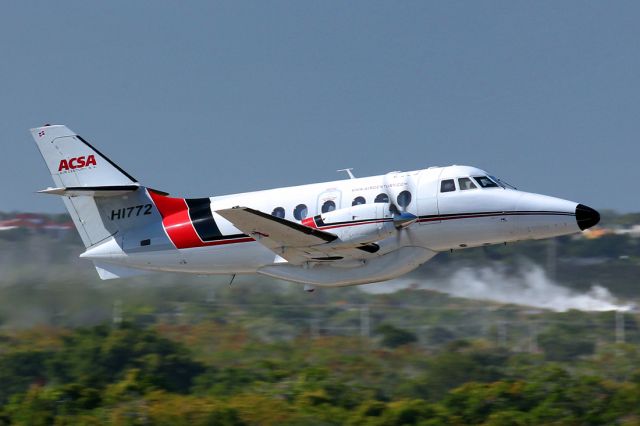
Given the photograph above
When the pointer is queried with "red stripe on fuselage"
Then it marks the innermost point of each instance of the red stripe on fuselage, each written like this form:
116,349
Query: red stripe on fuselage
348,224
310,222
177,223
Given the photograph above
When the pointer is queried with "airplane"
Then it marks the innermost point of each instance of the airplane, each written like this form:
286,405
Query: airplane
346,232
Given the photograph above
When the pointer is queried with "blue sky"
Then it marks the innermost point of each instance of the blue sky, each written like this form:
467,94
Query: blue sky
206,98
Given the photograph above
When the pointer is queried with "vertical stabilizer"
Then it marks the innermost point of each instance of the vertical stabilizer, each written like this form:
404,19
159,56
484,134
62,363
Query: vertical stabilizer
77,168
73,162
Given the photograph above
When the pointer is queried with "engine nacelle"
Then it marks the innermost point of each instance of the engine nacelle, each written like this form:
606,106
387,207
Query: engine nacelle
386,267
361,224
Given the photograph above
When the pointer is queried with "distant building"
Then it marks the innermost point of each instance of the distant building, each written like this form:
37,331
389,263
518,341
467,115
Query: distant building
35,222
634,231
598,232
592,234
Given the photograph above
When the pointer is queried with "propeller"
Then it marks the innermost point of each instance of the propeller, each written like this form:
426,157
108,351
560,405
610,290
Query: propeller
403,219
400,199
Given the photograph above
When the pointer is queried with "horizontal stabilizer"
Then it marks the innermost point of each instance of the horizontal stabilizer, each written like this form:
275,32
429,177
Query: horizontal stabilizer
91,191
108,271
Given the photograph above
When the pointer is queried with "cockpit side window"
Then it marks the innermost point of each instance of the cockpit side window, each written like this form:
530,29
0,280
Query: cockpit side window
466,183
447,185
485,182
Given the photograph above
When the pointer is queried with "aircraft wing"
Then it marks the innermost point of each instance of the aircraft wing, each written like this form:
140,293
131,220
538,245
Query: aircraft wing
290,240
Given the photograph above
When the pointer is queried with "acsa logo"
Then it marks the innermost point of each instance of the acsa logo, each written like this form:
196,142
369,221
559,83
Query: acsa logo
77,163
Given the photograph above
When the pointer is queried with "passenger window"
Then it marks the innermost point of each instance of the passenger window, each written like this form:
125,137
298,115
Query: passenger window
447,185
328,206
466,183
404,199
358,200
278,212
300,212
485,182
381,198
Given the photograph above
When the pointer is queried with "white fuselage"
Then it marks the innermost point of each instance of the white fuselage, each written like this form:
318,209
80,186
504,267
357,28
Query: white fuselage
445,218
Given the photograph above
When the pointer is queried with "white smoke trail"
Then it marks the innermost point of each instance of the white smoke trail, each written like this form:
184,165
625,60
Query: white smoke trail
529,286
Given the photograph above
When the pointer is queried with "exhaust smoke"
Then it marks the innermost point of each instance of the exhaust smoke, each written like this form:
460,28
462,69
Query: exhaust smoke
529,285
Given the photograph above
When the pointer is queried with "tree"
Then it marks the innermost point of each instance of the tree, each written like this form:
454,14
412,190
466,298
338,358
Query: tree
19,370
100,355
392,337
565,344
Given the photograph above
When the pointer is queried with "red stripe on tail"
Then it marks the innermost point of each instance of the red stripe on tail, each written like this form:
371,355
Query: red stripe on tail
176,221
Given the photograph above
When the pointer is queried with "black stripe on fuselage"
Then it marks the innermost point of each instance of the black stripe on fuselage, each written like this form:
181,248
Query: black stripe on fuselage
451,216
359,222
473,215
203,221
318,221
203,208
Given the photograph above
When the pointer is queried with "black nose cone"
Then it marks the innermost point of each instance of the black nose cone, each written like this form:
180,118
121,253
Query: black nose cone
586,217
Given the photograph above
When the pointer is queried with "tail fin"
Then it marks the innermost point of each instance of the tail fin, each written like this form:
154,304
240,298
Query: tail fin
95,190
73,162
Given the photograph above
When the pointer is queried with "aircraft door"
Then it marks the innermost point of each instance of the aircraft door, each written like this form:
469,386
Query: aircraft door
427,196
329,201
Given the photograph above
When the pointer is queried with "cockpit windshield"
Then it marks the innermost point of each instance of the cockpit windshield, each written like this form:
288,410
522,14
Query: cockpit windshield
503,183
485,182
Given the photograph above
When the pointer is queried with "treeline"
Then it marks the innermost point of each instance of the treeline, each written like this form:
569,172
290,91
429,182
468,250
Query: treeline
216,374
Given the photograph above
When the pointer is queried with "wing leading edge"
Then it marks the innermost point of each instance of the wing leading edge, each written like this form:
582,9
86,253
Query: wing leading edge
293,241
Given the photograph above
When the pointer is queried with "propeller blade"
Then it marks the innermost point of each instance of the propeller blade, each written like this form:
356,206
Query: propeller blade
404,219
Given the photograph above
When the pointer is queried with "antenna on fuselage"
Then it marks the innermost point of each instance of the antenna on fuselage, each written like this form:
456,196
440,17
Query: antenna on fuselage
348,171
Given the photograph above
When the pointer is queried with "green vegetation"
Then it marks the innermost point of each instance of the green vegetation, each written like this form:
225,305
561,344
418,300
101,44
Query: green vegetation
213,373
176,350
